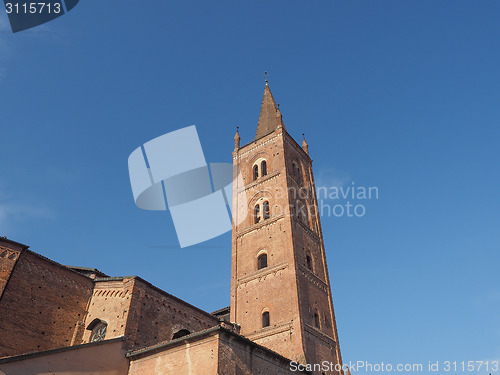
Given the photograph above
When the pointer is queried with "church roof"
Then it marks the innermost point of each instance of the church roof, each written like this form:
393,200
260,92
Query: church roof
270,116
5,239
153,349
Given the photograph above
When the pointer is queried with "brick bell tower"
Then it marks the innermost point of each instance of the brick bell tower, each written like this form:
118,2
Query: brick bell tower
280,289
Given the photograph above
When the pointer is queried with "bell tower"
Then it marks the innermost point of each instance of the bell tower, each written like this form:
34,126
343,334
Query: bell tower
280,289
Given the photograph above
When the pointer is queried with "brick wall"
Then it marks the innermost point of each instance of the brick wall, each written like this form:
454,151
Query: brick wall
103,358
155,316
290,288
110,303
9,254
43,306
214,352
193,358
239,357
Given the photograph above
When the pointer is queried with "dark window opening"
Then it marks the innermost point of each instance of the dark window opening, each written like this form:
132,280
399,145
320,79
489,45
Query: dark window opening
263,168
316,319
255,172
180,333
266,210
309,262
256,214
262,261
299,211
265,320
296,169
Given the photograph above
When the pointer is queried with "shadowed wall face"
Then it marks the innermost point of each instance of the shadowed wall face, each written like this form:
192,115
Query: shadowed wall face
9,254
104,358
42,307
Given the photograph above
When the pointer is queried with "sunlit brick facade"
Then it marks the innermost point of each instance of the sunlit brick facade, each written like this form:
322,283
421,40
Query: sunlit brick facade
73,320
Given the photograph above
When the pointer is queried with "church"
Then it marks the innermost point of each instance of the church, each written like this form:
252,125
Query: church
57,319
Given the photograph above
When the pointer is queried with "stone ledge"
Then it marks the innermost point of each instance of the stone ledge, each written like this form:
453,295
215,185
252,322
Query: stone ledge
319,334
270,331
313,278
263,223
259,181
262,273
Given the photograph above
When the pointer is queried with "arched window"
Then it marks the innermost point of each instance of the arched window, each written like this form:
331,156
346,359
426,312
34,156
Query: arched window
263,168
256,213
316,319
255,172
296,169
266,210
299,208
309,262
265,319
262,261
180,333
98,328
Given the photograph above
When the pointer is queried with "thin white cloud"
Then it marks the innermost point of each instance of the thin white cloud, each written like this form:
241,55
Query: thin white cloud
12,214
14,211
331,177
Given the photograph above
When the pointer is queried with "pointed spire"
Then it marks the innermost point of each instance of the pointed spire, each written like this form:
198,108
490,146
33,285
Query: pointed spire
237,138
305,146
270,116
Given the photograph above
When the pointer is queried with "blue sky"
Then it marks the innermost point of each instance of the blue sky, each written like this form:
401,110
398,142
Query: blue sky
402,95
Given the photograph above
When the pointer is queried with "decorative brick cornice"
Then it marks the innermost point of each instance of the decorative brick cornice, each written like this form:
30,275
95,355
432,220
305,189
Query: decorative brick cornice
315,280
262,273
319,334
256,146
259,181
270,331
308,230
257,226
111,292
9,254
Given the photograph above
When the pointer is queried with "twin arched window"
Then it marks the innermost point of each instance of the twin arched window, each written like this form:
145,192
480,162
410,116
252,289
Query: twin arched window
256,214
263,170
266,212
